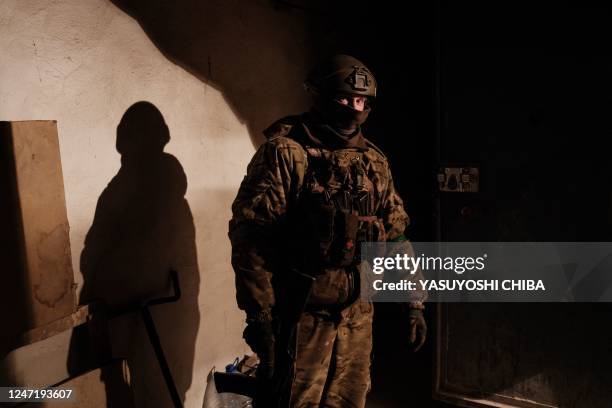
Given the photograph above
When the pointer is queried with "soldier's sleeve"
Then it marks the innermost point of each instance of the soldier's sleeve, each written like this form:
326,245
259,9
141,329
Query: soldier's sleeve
273,178
396,221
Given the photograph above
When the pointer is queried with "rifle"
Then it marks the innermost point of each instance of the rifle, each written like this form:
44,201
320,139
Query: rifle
275,393
286,339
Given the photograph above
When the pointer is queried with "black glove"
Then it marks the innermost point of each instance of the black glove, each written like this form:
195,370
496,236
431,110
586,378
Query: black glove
418,328
259,335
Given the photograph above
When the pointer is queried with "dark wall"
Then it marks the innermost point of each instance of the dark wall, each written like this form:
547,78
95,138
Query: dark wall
525,93
525,90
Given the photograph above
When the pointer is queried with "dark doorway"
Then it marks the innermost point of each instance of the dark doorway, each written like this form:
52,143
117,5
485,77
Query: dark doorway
525,89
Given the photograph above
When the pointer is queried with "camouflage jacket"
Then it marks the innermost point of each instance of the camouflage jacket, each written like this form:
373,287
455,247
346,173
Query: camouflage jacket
270,192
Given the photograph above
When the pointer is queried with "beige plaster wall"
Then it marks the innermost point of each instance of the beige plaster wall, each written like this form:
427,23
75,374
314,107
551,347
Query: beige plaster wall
84,63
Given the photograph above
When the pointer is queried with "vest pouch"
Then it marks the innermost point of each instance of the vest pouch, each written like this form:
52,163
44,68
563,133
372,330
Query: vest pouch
344,245
319,219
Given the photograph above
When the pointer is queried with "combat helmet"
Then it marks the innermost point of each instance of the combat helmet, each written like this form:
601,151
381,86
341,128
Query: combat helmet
341,74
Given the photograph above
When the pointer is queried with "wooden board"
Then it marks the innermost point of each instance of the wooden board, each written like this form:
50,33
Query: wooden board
37,278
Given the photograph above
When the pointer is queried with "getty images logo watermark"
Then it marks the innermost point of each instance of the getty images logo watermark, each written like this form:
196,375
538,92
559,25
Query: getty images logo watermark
487,272
412,263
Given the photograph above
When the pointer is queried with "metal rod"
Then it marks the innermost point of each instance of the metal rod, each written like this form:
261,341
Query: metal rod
154,337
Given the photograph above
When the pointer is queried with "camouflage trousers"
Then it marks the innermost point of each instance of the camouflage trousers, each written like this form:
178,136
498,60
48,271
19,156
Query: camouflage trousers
332,367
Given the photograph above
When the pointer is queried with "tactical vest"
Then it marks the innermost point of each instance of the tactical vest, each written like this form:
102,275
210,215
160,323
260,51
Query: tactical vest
335,213
337,204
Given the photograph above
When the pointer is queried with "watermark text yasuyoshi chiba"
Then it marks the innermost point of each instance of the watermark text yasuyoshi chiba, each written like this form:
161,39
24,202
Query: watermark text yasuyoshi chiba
459,285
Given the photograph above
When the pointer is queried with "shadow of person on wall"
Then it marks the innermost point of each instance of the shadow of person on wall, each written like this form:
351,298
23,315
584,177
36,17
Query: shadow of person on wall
243,49
143,228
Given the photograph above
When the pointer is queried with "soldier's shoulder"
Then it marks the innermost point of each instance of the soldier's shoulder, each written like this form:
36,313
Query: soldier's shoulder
282,128
374,152
281,134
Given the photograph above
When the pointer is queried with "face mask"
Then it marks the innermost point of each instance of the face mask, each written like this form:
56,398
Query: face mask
341,117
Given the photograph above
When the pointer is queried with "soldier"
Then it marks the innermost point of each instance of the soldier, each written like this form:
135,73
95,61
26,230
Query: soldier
313,192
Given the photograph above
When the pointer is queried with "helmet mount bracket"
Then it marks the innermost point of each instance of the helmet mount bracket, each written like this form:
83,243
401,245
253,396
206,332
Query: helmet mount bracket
358,79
